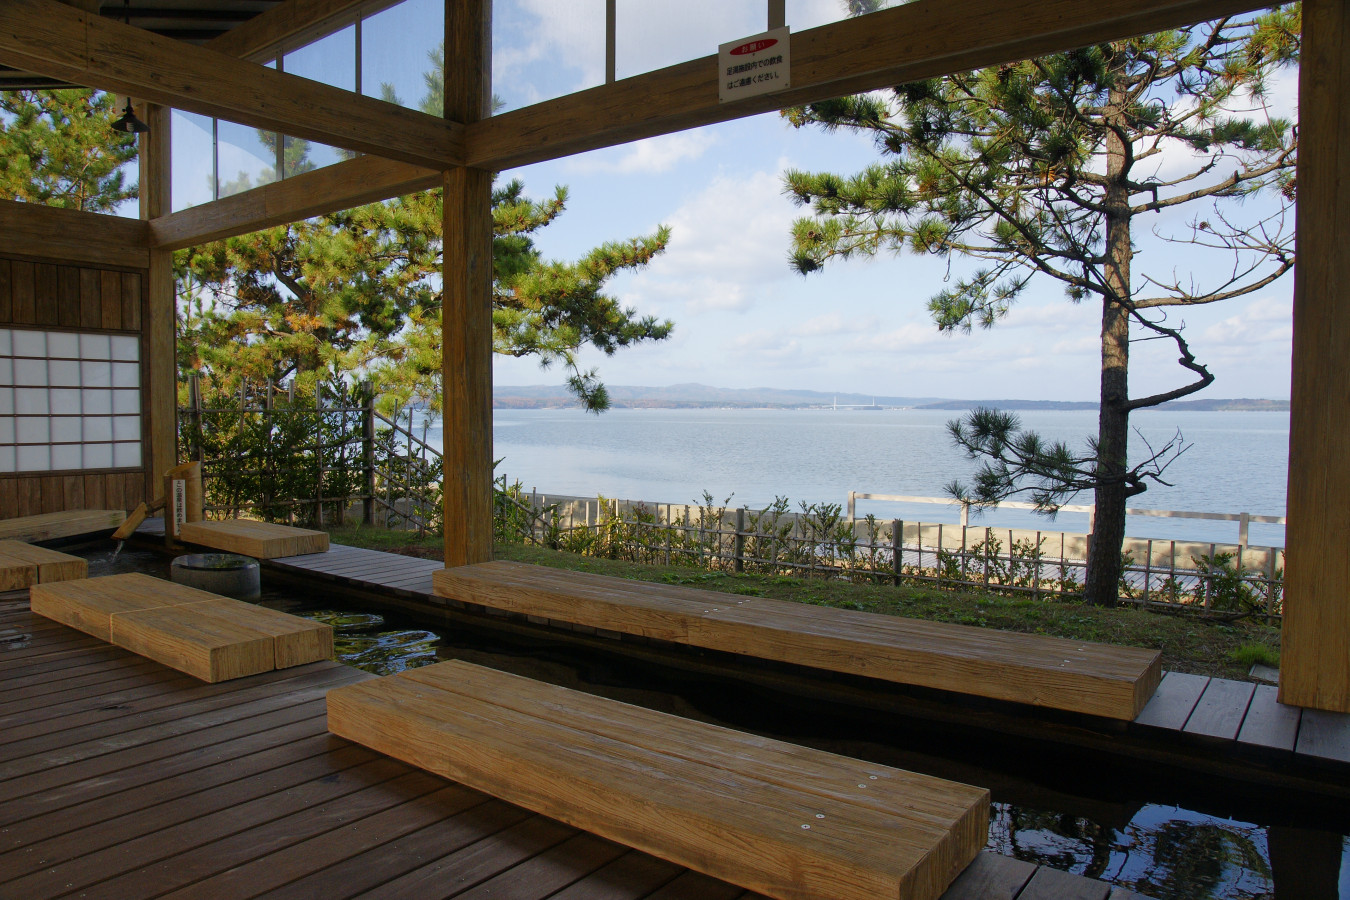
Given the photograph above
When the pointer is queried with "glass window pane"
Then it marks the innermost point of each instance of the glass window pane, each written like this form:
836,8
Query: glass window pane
543,49
330,59
303,155
804,14
247,157
400,48
194,172
651,35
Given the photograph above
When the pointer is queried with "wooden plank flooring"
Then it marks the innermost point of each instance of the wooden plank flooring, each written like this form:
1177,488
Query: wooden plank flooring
122,778
1224,719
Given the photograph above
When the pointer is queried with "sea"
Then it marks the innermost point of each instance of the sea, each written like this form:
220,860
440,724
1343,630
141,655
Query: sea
1233,462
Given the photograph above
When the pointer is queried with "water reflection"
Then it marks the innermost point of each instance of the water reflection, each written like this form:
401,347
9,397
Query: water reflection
1164,852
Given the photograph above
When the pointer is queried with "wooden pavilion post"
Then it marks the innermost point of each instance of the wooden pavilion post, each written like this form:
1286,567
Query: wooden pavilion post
1315,658
466,314
161,388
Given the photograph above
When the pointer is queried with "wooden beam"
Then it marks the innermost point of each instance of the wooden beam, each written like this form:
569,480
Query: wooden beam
1315,657
159,320
72,236
343,185
53,39
918,40
626,110
466,305
291,24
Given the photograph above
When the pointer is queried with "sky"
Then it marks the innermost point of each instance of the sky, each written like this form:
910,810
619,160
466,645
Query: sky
744,319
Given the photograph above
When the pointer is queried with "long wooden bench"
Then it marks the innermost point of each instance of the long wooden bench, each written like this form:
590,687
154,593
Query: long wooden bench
248,537
788,821
1078,676
207,636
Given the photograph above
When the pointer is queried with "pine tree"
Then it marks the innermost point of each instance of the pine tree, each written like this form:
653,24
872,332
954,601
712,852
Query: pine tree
58,148
360,291
1039,170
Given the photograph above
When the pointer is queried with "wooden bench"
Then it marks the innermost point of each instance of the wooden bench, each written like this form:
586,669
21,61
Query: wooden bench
1078,676
248,537
785,820
207,636
23,565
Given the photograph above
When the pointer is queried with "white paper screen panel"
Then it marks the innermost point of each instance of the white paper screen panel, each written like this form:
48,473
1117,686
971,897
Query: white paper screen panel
69,401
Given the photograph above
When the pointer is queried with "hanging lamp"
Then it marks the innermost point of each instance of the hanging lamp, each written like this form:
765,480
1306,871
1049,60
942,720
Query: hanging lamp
128,123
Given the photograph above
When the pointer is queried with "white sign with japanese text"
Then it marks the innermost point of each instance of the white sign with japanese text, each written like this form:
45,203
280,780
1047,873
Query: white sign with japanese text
754,65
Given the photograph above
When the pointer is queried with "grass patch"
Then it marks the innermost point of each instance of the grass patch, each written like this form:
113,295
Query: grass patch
1253,654
1188,644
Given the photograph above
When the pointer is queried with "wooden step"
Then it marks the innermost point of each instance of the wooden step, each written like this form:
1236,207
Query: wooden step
51,526
89,605
296,640
22,565
211,637
1077,676
784,820
248,537
198,641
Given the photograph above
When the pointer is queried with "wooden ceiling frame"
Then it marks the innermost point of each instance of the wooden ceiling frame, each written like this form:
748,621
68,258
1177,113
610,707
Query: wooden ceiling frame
50,38
918,40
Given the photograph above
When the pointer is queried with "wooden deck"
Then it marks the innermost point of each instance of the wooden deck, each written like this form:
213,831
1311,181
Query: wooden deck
122,778
1234,716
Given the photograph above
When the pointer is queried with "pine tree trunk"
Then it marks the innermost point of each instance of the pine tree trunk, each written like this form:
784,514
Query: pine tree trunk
1102,584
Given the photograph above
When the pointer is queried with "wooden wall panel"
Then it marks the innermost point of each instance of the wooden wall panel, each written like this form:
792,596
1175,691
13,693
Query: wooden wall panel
91,298
45,287
133,297
60,295
6,292
79,298
68,296
111,291
22,274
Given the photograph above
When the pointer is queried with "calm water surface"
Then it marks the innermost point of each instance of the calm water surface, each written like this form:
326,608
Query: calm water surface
1236,462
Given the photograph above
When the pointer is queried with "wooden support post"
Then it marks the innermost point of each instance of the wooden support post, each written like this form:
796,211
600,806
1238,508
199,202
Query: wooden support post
159,315
1315,657
466,313
368,450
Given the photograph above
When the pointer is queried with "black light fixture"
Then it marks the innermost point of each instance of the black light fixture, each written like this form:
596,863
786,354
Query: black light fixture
129,124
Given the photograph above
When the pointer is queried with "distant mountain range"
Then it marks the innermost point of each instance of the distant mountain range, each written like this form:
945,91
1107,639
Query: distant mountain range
702,396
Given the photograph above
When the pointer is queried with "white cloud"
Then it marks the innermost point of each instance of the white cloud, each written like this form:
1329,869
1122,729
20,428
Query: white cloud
651,156
1263,321
727,248
565,36
836,323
